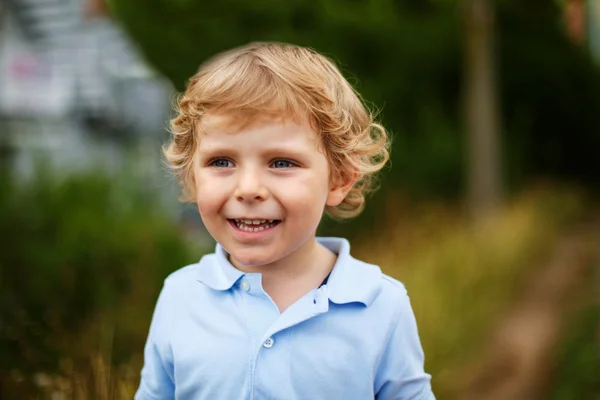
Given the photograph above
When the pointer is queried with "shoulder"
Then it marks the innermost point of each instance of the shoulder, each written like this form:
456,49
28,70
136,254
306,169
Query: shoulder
392,297
189,273
387,288
393,287
178,281
184,279
390,308
360,281
389,296
182,275
175,284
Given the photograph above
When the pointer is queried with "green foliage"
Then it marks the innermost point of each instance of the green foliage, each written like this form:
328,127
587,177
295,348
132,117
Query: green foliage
79,255
551,97
578,360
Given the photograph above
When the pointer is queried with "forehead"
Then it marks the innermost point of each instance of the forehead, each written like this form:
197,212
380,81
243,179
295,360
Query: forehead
270,129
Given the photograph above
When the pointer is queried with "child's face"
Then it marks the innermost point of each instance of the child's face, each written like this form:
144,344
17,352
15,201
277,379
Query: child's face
270,174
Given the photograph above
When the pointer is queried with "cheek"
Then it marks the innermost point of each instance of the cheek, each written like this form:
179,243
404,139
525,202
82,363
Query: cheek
306,194
204,208
210,195
209,185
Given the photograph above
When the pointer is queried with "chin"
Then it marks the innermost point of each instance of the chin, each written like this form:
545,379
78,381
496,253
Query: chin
252,258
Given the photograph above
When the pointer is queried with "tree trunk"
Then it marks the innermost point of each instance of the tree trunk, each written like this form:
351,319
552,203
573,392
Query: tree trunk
481,110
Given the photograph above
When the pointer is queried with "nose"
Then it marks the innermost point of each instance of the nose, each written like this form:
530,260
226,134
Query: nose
250,187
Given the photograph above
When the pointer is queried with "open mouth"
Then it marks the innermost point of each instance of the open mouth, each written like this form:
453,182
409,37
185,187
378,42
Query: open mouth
254,225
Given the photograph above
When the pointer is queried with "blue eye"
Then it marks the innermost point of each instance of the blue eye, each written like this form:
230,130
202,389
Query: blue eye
283,164
221,163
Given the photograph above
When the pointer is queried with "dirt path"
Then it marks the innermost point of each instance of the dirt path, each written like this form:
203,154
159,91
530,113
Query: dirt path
515,364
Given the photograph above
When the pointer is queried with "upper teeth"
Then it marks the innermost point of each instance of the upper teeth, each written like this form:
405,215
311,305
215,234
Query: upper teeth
253,221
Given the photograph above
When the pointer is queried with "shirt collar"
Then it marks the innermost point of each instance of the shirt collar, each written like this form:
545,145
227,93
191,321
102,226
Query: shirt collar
216,271
351,280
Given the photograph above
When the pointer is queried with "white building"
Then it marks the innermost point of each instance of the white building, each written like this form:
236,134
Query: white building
75,90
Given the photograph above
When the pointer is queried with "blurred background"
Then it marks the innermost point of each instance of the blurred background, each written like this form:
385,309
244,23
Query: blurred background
489,213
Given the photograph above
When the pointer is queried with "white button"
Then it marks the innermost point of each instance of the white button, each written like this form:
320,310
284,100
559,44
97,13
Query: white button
268,343
245,286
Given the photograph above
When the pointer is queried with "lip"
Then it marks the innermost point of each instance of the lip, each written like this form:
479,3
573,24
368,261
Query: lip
252,235
256,218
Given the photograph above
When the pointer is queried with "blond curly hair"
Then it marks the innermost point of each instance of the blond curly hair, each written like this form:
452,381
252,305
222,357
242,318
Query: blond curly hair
288,81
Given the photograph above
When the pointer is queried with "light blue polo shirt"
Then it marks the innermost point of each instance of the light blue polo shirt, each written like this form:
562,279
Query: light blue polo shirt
216,334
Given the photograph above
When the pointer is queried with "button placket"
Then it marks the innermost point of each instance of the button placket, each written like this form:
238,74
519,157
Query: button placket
299,312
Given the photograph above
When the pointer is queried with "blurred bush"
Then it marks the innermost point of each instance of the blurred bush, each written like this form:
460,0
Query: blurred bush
575,375
82,261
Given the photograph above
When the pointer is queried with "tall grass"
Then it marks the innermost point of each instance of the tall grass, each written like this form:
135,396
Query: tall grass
97,380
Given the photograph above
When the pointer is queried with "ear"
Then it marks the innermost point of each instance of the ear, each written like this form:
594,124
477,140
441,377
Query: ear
339,190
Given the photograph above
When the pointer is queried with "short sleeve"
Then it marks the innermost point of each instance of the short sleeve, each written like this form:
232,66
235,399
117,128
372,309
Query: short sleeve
157,374
400,374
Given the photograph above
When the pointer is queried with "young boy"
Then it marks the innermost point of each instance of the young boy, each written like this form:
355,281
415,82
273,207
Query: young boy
267,138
